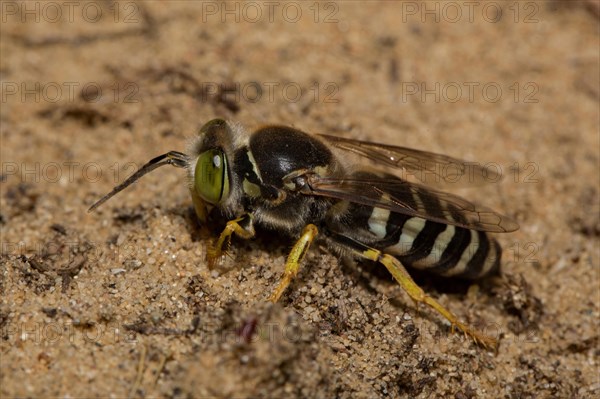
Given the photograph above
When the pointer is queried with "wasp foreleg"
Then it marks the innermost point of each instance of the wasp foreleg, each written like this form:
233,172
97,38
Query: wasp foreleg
242,227
294,258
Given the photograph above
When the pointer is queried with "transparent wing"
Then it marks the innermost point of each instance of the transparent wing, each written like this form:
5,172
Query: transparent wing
410,199
428,167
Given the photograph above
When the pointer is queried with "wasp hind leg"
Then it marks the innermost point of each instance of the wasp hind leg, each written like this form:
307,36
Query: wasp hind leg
412,289
294,259
242,227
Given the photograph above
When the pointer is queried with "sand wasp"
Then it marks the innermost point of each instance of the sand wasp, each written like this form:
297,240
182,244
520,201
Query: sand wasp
307,187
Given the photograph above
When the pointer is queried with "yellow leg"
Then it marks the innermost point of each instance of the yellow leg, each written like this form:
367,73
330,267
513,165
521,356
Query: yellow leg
294,258
419,296
215,252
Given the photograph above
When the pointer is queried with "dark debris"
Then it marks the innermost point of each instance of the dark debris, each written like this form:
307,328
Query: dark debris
518,300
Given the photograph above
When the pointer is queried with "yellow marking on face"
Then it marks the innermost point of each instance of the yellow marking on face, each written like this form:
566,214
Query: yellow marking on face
251,189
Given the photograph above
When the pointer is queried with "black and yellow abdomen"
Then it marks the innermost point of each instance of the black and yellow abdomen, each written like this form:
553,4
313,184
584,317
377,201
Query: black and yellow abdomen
439,248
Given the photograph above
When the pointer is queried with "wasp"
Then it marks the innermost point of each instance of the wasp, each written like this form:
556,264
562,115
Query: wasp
309,188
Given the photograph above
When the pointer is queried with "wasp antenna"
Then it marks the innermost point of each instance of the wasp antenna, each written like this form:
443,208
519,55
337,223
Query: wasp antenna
175,158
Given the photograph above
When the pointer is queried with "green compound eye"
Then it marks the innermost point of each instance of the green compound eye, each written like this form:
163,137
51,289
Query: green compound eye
211,179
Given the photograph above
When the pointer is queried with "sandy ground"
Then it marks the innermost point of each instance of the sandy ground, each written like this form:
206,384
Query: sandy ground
121,303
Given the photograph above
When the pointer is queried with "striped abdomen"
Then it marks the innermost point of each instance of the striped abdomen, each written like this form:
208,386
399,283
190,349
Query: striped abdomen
442,249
